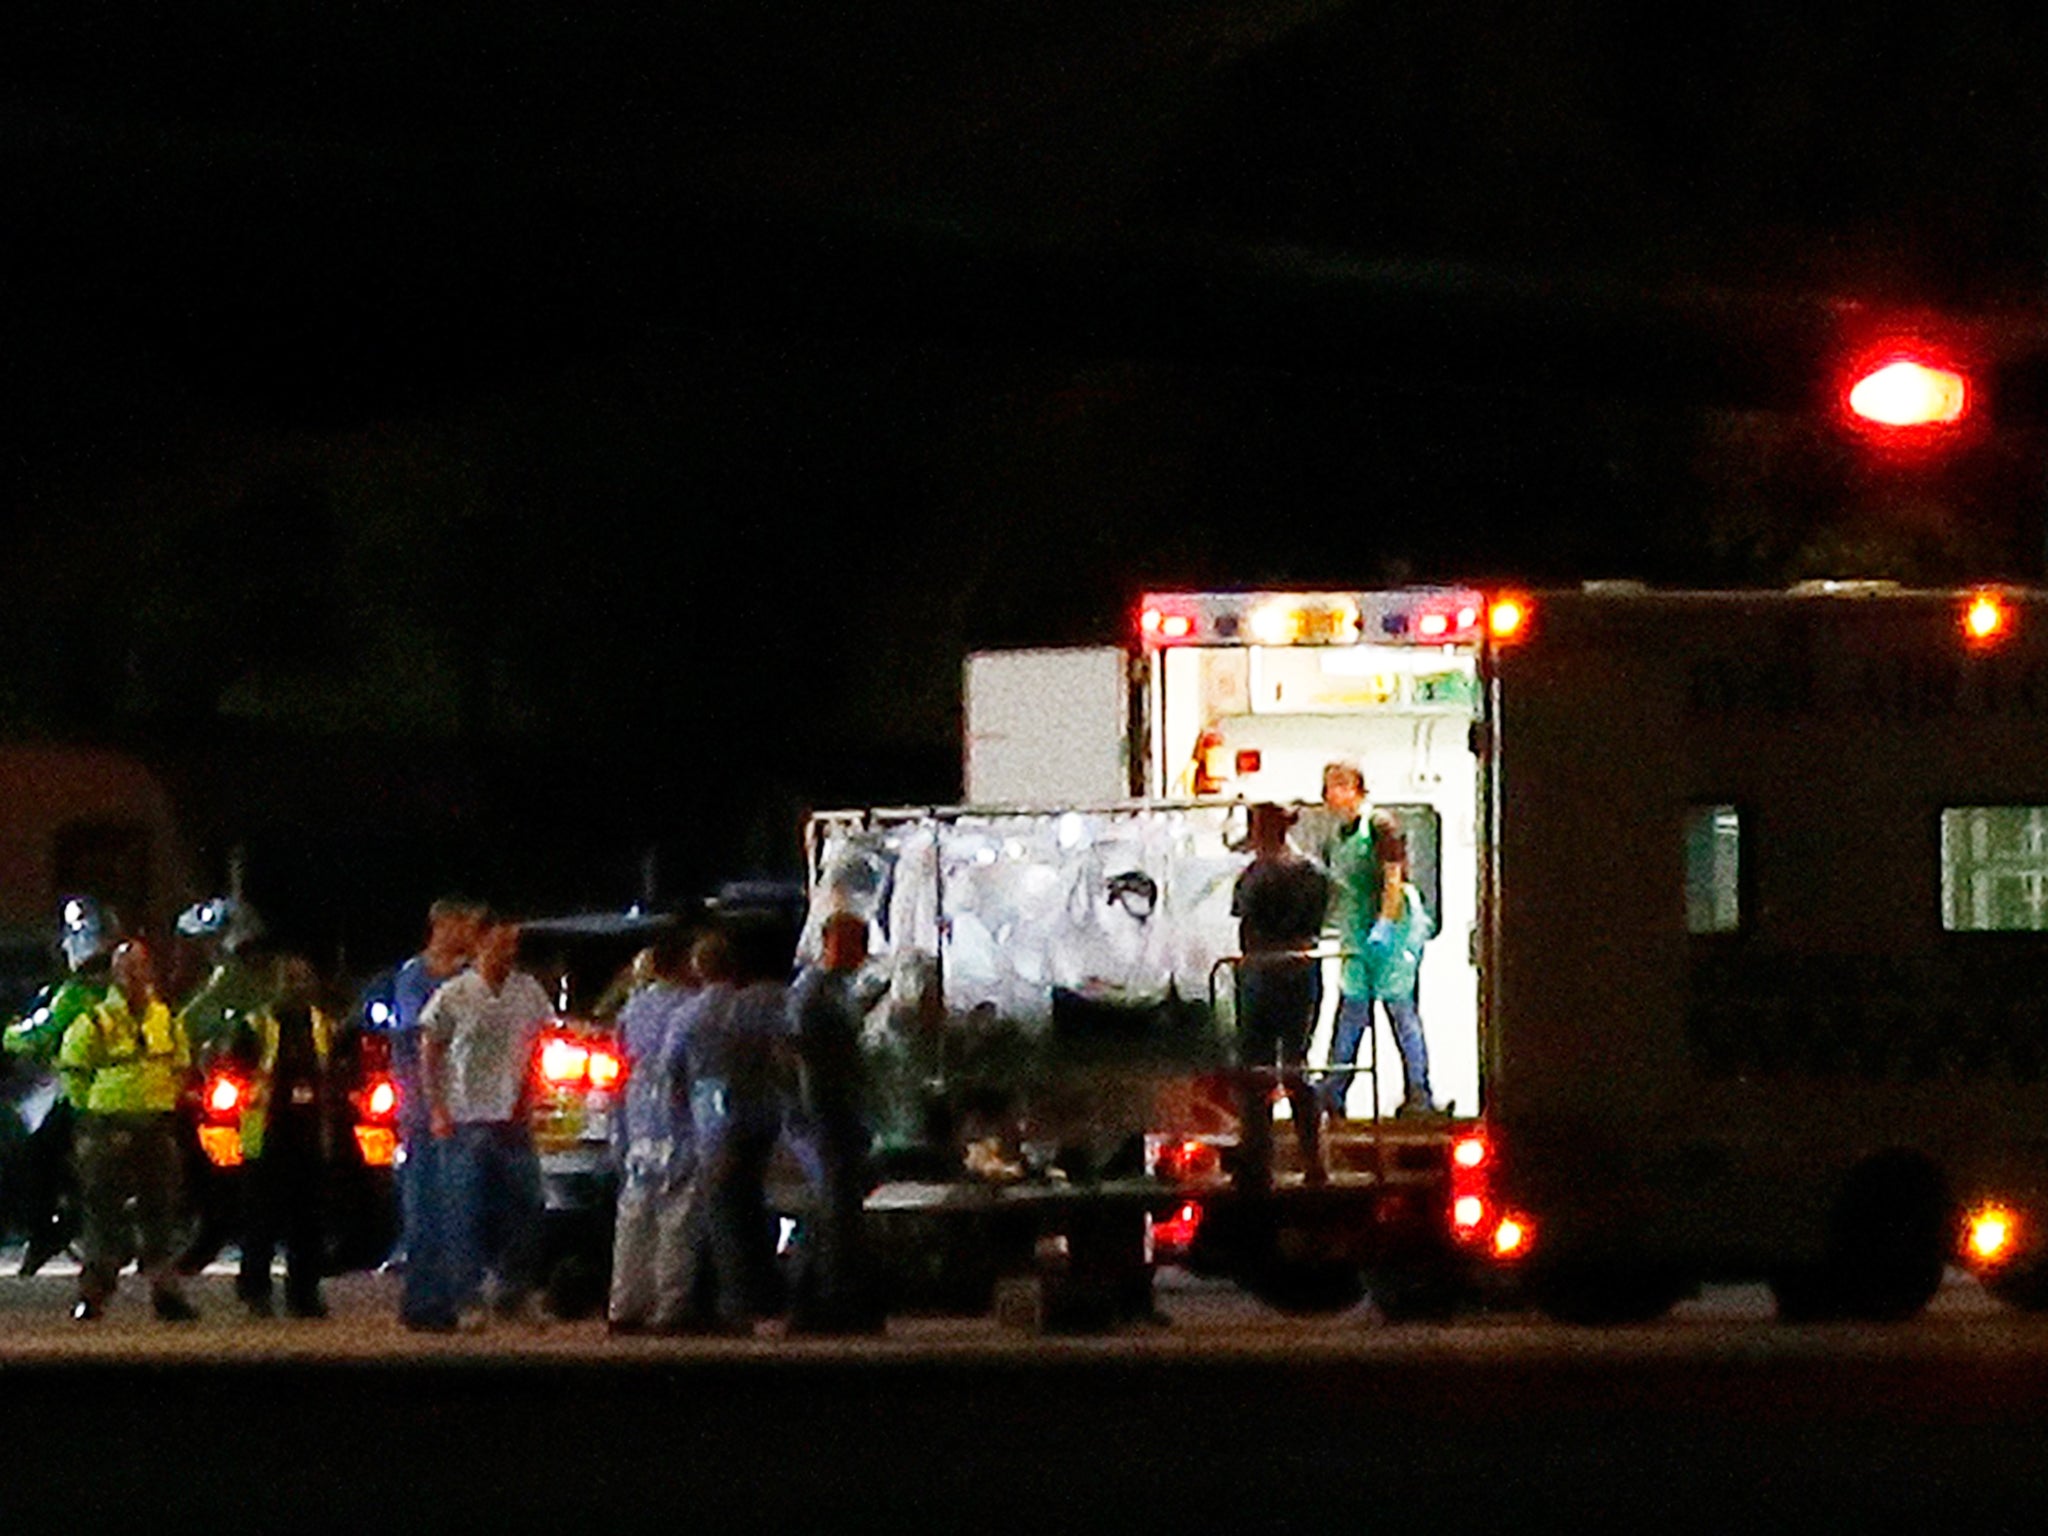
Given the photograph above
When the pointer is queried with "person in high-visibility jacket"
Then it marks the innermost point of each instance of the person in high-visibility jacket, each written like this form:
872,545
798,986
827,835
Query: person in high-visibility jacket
235,986
126,1063
283,1052
238,985
48,1208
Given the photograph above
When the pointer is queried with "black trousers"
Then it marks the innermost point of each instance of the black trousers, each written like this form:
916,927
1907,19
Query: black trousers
282,1203
834,1286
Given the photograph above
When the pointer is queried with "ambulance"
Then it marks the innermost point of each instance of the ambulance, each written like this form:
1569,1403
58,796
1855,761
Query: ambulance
1740,902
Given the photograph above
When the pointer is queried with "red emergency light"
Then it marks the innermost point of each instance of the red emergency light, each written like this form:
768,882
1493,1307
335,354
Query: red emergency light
1165,626
1908,394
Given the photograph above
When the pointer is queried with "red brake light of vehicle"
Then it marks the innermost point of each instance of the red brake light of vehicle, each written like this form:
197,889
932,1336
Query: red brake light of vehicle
605,1068
222,1100
1178,1230
223,1096
380,1099
1468,1214
1474,1218
376,1103
563,1061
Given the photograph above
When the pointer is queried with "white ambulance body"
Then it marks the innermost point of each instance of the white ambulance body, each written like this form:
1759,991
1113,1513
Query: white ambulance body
1240,697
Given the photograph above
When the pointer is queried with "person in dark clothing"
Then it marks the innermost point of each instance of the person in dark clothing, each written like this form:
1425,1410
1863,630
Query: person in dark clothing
48,1188
1279,902
735,1039
834,1288
284,1051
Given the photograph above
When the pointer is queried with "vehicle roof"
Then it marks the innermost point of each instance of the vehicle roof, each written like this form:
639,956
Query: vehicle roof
626,924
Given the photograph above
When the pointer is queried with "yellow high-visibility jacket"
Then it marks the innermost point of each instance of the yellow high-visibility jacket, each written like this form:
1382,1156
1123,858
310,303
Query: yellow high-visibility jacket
115,1063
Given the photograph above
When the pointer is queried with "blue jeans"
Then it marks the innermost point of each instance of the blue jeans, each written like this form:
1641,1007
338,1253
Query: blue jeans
427,1292
1354,1018
492,1178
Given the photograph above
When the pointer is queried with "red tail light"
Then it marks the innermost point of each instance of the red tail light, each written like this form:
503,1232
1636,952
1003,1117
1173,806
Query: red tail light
1477,1217
1472,1210
563,1061
224,1096
379,1099
1178,1230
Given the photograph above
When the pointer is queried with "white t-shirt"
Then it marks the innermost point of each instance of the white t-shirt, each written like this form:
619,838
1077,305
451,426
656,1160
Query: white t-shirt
490,1038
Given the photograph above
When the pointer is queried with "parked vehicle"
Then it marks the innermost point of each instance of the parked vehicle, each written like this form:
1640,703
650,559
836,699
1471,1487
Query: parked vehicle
1740,914
585,962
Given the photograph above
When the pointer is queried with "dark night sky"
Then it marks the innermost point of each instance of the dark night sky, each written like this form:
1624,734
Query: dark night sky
519,435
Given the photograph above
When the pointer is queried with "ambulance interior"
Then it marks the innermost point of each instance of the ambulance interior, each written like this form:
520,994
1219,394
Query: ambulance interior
1256,722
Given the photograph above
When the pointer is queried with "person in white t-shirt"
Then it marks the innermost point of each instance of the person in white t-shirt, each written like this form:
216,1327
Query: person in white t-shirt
478,1037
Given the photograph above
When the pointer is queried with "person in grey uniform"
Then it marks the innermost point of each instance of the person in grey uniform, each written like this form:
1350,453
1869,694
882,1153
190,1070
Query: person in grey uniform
656,1242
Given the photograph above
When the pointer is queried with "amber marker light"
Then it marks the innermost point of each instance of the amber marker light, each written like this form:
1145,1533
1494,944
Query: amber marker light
1512,1237
1988,1234
1985,618
1507,618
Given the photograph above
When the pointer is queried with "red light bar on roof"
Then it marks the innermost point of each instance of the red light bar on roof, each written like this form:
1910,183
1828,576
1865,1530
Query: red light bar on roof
1413,616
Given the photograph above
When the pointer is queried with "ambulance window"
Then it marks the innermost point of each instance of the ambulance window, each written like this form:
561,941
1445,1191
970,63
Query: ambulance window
1994,868
1713,863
